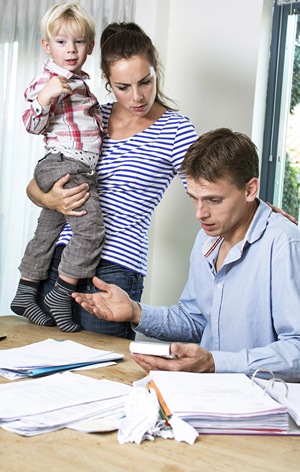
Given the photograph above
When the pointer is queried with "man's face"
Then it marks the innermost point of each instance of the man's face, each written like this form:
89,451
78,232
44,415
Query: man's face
221,207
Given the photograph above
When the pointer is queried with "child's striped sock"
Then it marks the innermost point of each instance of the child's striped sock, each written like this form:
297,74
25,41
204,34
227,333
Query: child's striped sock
24,304
59,301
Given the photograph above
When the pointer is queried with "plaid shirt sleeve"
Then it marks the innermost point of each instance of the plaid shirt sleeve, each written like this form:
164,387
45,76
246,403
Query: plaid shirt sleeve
36,118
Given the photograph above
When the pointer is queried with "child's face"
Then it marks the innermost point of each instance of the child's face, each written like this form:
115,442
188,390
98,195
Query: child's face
68,50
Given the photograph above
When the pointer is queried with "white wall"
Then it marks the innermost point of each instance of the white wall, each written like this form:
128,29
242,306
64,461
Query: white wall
215,55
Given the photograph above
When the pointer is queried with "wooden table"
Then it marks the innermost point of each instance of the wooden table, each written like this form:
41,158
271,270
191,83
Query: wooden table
67,450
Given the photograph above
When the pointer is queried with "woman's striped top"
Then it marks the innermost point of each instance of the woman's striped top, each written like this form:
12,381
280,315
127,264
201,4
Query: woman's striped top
133,176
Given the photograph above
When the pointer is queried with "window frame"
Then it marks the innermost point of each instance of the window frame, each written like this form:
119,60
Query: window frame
270,151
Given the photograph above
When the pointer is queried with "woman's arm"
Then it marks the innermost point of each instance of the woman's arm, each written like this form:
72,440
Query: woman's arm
63,200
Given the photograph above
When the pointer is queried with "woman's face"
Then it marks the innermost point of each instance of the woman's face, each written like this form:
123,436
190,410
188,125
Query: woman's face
133,82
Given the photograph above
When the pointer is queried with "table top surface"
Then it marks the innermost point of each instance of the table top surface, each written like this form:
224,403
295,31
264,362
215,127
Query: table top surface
69,450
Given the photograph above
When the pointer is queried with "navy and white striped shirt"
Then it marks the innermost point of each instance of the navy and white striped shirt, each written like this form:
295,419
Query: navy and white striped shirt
133,174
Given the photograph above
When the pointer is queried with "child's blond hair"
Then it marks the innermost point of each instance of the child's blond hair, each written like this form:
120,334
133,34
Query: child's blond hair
74,18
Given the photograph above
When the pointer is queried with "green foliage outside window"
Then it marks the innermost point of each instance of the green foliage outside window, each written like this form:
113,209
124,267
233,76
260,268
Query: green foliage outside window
290,199
295,95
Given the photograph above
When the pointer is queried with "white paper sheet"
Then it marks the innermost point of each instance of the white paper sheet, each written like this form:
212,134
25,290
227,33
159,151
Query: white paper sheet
49,356
32,397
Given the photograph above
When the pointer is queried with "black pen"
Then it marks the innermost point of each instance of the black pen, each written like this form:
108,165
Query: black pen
2,338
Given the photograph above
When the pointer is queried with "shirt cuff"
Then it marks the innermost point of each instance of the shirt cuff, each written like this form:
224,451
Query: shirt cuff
230,362
147,324
38,109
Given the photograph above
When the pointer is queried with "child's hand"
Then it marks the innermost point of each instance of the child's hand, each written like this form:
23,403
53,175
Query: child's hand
53,88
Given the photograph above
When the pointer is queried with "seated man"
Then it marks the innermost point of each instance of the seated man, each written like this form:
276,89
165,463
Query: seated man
240,308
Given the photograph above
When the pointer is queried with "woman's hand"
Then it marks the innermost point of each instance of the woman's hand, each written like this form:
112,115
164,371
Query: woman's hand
65,201
282,212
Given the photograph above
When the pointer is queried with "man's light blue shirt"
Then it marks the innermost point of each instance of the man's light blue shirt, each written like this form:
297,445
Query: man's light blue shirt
248,313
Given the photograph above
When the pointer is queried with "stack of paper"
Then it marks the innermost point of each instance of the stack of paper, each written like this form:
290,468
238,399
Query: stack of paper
50,356
220,403
49,403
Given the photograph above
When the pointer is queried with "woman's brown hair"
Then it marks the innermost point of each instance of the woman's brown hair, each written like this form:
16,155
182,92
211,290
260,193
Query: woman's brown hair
125,40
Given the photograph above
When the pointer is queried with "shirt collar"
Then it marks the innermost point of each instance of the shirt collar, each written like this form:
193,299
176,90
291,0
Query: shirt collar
52,67
258,223
210,245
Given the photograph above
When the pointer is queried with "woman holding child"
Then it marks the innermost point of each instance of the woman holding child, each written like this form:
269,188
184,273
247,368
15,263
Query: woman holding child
144,144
